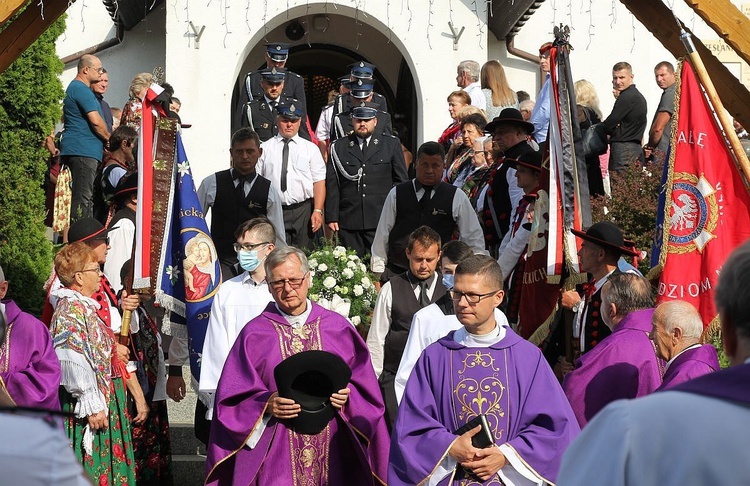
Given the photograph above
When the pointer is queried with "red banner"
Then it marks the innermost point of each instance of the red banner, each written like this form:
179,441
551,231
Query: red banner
706,211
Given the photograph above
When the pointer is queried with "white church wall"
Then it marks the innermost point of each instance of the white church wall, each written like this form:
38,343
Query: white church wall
232,33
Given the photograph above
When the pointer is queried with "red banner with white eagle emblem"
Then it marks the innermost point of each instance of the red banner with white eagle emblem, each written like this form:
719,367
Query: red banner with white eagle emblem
706,203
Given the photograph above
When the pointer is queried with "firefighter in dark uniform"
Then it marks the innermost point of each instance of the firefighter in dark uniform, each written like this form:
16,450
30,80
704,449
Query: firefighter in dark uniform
294,86
362,169
364,71
360,91
260,113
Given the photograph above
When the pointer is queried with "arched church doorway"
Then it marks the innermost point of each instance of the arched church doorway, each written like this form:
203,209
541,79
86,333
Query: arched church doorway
321,55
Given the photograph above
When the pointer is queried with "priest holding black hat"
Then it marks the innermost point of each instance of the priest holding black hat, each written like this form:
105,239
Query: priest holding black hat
292,411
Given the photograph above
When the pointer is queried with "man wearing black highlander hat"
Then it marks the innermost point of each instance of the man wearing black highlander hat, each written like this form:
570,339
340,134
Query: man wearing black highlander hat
263,433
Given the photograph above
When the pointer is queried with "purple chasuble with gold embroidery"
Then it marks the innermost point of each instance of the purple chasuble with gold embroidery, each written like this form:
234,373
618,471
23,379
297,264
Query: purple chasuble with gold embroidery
690,364
29,368
351,450
623,365
509,381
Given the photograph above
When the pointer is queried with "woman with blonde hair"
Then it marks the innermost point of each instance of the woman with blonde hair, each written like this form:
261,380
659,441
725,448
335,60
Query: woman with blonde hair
496,90
131,113
589,114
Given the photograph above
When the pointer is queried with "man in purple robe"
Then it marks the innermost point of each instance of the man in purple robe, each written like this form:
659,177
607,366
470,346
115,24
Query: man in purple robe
253,440
624,364
693,434
483,368
677,329
29,368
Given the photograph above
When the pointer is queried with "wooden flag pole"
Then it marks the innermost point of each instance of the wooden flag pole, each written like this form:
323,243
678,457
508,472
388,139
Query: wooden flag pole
726,122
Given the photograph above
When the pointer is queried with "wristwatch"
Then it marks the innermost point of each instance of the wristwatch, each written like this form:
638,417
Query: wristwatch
578,306
318,211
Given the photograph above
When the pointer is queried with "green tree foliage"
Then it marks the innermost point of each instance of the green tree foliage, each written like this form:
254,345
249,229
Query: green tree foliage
30,95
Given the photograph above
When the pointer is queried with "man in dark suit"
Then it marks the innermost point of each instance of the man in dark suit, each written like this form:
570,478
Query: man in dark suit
260,113
362,169
360,91
277,54
359,71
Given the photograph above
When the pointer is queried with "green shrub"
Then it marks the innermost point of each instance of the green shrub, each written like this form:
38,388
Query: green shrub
30,96
632,207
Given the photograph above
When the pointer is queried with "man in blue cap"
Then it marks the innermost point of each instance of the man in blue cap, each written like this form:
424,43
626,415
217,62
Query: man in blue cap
260,113
277,54
360,91
363,71
297,171
362,169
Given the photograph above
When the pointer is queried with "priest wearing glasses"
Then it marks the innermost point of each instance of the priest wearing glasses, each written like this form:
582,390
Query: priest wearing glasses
259,435
483,370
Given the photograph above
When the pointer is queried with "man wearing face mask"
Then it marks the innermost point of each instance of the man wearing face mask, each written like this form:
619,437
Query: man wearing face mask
239,300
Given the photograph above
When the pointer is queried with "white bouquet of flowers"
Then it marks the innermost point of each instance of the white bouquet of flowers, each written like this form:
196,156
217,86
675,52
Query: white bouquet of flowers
342,283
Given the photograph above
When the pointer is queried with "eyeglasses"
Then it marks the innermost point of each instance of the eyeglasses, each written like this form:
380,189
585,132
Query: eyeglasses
249,246
470,298
294,283
97,270
104,239
98,70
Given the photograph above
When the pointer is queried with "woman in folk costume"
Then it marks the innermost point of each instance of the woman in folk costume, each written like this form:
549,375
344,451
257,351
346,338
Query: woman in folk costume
133,110
92,375
462,164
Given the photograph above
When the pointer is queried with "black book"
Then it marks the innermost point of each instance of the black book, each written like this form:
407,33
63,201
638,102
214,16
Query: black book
483,438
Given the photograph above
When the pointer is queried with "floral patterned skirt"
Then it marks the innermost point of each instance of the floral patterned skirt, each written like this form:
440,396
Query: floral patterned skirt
152,448
112,462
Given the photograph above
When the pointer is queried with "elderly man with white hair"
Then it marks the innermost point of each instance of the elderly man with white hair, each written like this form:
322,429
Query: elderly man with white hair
467,78
676,335
692,434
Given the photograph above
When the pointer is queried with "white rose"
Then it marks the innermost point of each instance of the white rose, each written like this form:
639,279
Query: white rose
356,320
348,273
312,273
312,263
322,267
341,249
358,290
329,282
362,267
366,282
353,257
351,264
344,290
314,297
366,303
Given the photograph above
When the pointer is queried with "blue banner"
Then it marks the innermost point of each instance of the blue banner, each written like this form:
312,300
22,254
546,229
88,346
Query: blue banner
190,273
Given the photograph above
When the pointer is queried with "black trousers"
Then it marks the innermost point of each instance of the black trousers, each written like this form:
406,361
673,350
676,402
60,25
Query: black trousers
297,224
357,240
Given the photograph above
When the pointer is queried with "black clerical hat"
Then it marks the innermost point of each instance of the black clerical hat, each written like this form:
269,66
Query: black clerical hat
309,378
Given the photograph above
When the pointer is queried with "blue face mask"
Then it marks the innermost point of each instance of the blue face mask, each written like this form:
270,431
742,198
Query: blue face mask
248,260
448,280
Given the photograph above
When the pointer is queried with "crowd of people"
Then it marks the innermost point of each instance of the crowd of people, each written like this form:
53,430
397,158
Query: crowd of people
451,383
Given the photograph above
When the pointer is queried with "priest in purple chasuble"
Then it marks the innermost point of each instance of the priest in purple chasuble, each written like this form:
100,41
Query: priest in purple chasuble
29,368
624,364
483,368
693,434
253,438
677,330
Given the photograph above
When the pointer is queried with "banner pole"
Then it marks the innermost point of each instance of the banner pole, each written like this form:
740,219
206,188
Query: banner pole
724,120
